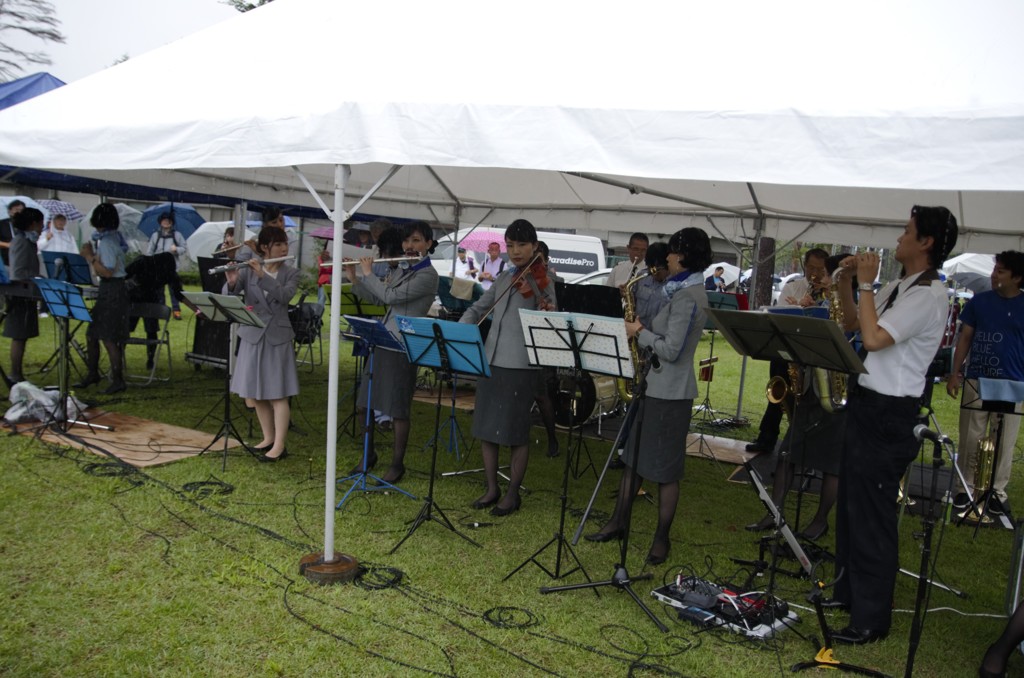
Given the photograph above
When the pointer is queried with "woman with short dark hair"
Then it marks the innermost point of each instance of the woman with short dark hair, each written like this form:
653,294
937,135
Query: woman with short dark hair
672,339
110,312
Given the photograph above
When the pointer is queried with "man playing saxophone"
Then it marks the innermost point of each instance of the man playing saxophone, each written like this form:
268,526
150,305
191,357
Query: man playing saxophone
990,345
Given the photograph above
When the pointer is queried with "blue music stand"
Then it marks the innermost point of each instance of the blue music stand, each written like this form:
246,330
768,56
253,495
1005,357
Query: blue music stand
374,335
64,302
71,268
67,266
453,347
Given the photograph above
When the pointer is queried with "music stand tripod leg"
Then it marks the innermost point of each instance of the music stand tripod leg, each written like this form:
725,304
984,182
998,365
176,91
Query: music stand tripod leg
621,578
559,540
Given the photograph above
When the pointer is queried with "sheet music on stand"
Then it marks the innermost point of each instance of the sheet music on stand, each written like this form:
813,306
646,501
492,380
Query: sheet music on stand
603,347
374,333
224,308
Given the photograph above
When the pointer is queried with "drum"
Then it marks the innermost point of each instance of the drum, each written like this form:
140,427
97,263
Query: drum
596,396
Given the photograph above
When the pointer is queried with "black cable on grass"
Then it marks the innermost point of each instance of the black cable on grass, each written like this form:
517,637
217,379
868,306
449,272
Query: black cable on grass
510,618
201,489
378,577
167,542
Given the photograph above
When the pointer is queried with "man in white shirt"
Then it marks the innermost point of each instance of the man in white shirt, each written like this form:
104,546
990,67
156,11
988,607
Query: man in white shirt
901,329
625,271
492,266
464,266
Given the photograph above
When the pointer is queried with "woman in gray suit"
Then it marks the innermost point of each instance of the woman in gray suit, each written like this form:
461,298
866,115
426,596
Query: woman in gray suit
265,366
407,291
503,401
671,387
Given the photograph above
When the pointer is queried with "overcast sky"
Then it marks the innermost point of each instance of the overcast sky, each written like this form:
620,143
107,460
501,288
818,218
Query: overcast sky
99,32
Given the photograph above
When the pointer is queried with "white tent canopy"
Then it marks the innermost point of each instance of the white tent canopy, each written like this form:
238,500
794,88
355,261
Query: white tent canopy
782,113
825,120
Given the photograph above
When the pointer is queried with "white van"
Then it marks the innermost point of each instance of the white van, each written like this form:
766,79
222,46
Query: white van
572,256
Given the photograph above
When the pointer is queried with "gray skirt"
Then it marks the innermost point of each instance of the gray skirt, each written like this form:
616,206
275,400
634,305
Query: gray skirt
264,371
662,440
503,401
394,383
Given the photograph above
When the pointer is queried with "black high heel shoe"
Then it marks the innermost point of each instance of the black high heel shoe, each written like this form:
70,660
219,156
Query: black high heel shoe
654,558
815,535
604,536
371,461
88,380
763,525
265,459
482,503
498,511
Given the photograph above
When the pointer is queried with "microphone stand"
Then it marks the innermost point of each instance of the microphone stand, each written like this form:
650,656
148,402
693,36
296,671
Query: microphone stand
921,601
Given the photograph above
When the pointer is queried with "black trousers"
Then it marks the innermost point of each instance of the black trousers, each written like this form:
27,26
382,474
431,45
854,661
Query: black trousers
878,446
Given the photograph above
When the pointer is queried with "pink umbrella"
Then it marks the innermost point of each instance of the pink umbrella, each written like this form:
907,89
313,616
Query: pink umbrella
478,242
324,233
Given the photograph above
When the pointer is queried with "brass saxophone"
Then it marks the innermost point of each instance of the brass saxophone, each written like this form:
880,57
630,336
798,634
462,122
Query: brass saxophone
831,385
984,458
625,386
785,390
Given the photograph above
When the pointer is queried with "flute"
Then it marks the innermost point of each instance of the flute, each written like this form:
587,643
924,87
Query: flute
378,261
239,264
228,249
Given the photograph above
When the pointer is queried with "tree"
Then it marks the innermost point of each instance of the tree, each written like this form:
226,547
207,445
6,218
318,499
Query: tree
31,18
244,6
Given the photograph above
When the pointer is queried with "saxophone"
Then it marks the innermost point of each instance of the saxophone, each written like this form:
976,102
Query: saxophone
984,458
625,386
831,385
784,390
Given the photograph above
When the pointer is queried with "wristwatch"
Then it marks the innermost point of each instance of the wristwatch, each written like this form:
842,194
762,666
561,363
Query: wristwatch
866,287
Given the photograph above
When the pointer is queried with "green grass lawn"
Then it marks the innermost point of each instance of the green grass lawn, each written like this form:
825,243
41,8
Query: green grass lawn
185,569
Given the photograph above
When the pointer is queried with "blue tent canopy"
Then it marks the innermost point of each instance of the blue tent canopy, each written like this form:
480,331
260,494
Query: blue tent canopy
22,89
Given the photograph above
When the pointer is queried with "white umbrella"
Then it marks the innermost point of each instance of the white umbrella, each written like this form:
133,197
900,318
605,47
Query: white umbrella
29,202
731,275
208,237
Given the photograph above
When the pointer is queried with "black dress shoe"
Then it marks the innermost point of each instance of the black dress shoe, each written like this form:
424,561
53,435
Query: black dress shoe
833,604
264,459
371,461
815,535
392,481
261,448
498,511
763,525
88,381
116,387
484,503
604,536
617,463
659,557
760,446
851,635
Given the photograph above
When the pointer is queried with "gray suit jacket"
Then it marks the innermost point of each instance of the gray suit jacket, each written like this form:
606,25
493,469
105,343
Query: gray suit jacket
674,335
408,293
268,298
505,346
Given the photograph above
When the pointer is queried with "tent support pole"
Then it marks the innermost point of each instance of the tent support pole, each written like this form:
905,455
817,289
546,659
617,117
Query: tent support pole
330,567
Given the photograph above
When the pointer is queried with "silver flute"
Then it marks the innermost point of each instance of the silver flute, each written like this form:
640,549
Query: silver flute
378,261
235,265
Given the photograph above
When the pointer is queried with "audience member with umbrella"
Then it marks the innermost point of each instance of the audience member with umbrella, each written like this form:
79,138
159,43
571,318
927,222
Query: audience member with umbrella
168,240
186,218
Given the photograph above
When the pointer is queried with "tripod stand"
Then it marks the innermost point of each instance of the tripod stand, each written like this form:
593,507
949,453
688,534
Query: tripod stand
65,303
453,347
348,425
556,359
225,308
621,578
451,424
374,335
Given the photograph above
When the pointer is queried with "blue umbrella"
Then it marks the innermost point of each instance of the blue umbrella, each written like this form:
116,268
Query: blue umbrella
186,219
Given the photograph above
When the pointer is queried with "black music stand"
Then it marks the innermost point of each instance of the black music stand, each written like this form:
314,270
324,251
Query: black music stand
65,303
455,348
374,334
577,341
999,398
225,308
451,424
621,578
808,342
